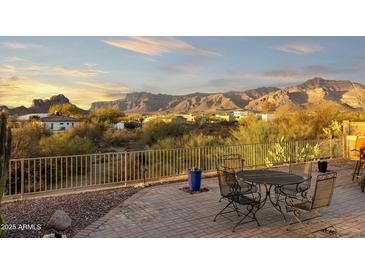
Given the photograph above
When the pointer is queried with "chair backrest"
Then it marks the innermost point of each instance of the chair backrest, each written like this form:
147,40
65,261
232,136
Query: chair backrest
233,161
302,169
227,181
359,143
323,192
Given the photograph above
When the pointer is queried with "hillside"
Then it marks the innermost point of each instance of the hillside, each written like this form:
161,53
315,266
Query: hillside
315,91
143,102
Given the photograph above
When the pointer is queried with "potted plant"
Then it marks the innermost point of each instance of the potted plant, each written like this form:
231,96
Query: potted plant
194,179
322,164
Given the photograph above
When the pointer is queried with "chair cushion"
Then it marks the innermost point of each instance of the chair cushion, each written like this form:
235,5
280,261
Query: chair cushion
244,200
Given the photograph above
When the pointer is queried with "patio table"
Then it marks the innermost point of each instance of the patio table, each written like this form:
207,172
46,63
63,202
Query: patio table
270,178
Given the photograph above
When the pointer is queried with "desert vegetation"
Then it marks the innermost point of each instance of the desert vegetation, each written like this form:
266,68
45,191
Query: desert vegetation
94,134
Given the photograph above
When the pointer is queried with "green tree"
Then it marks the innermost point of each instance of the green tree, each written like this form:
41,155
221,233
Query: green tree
26,138
70,110
62,144
156,130
106,116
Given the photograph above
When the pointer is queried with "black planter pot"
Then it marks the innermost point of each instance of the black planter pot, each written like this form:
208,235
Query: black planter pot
322,166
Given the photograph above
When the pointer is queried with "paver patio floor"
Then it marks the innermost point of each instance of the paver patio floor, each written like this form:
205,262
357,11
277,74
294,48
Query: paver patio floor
167,211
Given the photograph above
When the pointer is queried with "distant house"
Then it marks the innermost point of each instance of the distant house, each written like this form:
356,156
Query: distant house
266,117
119,125
225,117
32,116
240,114
56,122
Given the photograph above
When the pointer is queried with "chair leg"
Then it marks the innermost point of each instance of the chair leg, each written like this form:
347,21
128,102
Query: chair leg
296,216
363,185
356,170
241,221
254,216
220,212
236,209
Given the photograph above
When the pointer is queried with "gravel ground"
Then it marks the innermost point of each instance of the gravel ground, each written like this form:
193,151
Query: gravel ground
83,209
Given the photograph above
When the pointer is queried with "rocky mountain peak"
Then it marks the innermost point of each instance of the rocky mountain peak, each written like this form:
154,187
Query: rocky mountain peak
54,100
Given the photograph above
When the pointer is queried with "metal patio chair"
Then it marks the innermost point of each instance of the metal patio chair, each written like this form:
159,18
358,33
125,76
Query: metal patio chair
356,154
233,161
322,197
301,169
236,194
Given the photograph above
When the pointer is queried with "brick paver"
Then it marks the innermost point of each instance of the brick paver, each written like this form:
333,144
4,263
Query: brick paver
167,211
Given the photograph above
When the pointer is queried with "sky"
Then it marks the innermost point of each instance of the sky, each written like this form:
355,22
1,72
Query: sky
89,69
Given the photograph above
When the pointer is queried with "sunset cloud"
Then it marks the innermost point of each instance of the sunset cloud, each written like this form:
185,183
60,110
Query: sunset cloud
13,45
299,48
12,59
40,69
73,72
158,46
16,91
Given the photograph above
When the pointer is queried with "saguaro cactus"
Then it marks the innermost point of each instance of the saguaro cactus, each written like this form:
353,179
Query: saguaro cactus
5,148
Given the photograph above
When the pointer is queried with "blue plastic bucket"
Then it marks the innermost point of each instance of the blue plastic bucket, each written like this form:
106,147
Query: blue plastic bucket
194,179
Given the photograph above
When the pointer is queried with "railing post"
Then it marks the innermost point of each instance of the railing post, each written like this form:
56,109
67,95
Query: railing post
330,148
22,178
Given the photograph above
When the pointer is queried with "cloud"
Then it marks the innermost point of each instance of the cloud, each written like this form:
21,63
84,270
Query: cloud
299,48
158,46
40,69
16,45
110,88
12,59
13,45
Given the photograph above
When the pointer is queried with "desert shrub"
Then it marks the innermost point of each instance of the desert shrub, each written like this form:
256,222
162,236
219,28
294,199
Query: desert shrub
25,142
117,137
67,110
64,144
132,124
94,132
334,130
256,131
189,141
156,130
106,116
281,152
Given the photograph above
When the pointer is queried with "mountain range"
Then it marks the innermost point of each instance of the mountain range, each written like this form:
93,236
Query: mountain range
314,91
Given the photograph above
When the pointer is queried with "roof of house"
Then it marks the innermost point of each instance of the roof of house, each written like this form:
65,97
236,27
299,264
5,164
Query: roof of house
58,118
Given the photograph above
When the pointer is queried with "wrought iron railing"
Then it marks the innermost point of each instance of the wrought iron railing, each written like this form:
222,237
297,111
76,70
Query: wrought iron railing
53,174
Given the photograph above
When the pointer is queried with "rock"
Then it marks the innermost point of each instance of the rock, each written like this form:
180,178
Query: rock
54,235
59,221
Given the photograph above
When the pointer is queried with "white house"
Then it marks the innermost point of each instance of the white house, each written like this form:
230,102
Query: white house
57,122
240,114
32,115
225,117
267,117
119,125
